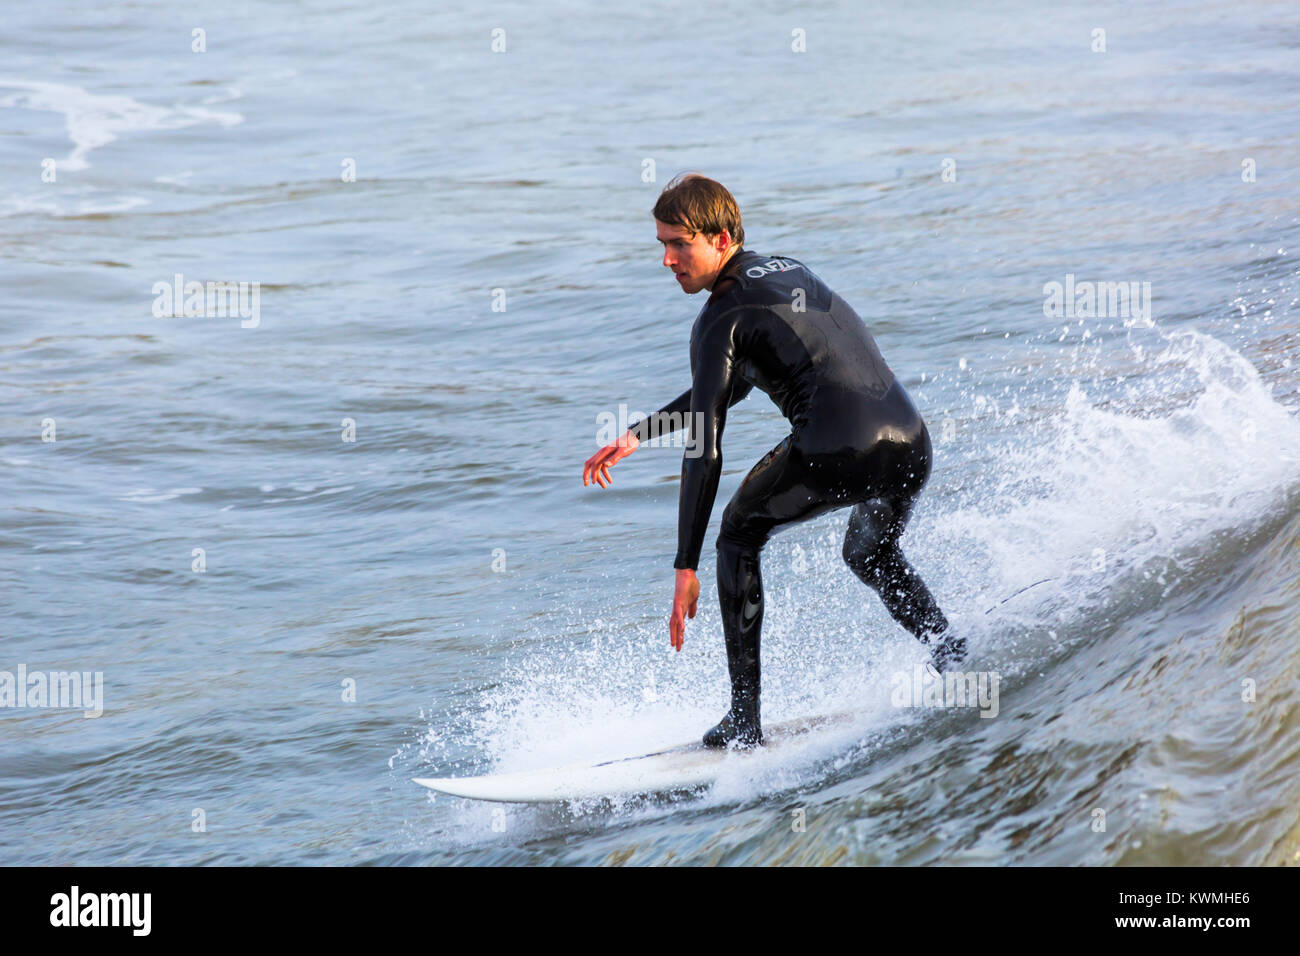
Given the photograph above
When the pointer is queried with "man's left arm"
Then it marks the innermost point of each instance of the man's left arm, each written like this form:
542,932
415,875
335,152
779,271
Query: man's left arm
716,374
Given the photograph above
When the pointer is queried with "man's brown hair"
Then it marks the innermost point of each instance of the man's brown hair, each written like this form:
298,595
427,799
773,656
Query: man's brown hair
700,204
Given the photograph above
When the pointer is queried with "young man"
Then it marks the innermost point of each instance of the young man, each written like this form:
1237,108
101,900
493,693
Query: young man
856,440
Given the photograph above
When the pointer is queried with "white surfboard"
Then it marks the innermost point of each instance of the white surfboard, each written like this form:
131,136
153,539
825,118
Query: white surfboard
686,767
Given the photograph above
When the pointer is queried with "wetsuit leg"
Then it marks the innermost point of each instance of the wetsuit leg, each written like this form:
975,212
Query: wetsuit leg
777,491
871,551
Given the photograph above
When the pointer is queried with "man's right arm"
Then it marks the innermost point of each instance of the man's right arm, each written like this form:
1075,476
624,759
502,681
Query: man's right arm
680,405
647,428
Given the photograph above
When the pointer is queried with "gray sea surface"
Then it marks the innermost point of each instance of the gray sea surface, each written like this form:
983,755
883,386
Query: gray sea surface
290,624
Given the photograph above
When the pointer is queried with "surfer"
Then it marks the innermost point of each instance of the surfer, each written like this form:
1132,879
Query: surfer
856,440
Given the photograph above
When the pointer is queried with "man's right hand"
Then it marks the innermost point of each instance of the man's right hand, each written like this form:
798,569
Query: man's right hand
597,467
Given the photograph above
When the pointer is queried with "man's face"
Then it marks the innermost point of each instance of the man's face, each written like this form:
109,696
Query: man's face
694,258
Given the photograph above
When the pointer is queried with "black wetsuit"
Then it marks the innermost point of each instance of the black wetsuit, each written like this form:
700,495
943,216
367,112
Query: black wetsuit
857,439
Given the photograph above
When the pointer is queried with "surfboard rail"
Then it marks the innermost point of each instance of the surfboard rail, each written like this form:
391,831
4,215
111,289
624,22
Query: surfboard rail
683,767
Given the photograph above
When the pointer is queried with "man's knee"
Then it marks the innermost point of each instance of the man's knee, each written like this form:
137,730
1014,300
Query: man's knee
865,534
868,550
861,556
878,567
735,536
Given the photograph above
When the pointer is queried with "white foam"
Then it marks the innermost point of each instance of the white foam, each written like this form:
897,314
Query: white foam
1199,446
22,206
154,496
94,120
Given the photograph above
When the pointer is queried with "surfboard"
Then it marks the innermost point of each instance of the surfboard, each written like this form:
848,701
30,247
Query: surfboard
685,767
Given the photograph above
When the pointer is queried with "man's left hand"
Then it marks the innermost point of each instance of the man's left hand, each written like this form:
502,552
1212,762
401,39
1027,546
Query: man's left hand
685,597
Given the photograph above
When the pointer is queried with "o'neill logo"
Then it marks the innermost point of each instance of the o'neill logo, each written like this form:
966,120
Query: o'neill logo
771,265
102,909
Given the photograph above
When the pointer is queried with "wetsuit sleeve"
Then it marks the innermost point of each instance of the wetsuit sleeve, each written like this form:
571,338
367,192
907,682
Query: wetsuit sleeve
645,429
680,406
716,378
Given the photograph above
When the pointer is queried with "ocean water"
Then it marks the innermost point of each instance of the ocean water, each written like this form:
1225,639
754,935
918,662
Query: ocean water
293,616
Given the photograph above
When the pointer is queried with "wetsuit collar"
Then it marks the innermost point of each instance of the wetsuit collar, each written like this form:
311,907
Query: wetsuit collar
730,267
